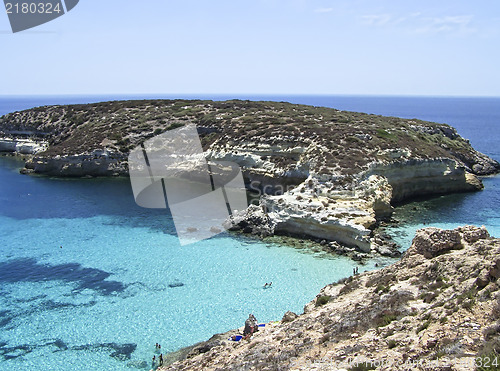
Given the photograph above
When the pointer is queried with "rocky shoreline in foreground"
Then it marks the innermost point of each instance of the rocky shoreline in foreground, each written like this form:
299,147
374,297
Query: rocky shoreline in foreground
437,308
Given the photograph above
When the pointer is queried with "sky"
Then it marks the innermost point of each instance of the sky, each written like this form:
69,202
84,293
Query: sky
352,47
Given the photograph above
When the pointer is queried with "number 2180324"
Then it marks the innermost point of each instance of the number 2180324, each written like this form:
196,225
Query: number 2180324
33,8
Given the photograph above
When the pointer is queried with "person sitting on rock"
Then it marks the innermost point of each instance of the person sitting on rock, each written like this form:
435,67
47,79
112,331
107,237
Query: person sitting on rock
255,324
250,325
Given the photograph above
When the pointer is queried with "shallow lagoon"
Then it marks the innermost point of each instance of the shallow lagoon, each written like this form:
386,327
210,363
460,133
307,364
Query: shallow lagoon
104,296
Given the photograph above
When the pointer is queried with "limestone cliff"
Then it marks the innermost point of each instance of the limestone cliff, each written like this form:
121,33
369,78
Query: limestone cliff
437,308
22,146
326,173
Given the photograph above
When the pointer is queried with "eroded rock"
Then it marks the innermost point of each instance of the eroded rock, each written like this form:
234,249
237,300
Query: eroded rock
289,317
431,242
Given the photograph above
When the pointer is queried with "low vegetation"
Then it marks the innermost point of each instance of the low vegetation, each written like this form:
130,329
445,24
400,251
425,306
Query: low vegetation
337,140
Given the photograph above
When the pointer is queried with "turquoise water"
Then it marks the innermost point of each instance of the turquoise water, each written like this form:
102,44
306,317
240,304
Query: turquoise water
105,296
480,208
102,300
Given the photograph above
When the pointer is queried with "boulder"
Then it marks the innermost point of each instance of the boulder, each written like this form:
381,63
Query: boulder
202,348
383,244
495,272
431,242
215,230
483,279
472,234
289,317
251,220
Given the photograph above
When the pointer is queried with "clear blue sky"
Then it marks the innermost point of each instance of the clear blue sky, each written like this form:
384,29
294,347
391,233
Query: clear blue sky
395,47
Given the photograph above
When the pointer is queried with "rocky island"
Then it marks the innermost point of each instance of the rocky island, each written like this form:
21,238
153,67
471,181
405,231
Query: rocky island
322,173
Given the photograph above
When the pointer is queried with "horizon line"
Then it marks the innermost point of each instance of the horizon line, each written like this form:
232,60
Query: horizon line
242,95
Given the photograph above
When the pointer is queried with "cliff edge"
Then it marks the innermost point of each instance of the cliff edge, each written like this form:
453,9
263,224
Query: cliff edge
437,308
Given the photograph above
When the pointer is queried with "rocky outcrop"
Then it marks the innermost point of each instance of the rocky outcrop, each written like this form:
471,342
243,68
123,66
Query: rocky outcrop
348,213
317,209
437,308
420,177
260,172
432,242
22,146
252,220
99,163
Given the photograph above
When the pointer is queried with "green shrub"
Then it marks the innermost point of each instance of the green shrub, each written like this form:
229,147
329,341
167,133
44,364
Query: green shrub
322,300
381,133
115,136
353,139
468,298
428,297
387,319
175,125
488,356
363,367
382,288
208,119
122,142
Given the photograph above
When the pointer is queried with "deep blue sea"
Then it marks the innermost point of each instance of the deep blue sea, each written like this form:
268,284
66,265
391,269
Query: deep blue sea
85,273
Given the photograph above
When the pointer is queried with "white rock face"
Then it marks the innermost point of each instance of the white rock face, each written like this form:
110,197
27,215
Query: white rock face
418,177
325,206
254,158
22,146
346,213
318,210
80,165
